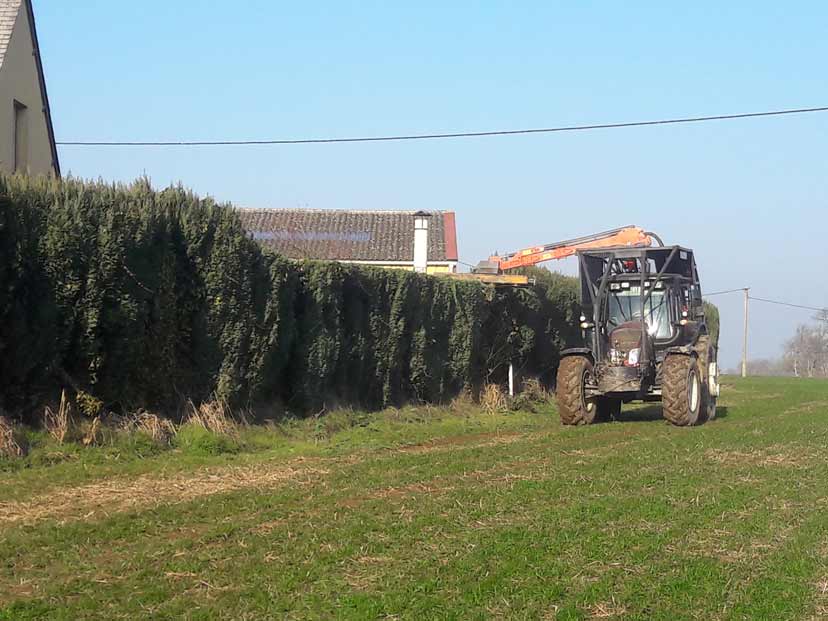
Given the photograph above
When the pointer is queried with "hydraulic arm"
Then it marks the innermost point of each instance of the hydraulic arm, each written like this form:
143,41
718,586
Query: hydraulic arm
630,236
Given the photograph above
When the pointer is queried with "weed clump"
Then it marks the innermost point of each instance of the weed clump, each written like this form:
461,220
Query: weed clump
11,444
194,439
210,428
58,423
532,394
214,416
160,430
493,399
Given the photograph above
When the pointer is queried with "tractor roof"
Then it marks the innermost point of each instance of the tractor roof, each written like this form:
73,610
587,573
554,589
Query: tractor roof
624,252
660,262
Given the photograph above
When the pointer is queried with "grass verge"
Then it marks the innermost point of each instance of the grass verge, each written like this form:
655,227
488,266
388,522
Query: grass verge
431,513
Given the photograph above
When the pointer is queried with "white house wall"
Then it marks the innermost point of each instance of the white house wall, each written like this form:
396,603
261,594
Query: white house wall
19,81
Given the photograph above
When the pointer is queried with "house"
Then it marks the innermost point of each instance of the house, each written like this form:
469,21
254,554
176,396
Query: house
27,141
423,241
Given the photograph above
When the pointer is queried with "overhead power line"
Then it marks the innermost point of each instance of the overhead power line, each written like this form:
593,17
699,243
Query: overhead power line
707,295
434,136
810,308
777,302
746,291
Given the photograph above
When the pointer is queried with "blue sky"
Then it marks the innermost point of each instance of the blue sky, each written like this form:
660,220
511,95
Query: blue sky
749,196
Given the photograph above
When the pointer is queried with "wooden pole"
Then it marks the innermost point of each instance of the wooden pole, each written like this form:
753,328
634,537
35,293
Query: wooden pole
745,339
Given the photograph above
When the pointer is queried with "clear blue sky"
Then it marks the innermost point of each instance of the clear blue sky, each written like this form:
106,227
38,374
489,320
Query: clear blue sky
749,196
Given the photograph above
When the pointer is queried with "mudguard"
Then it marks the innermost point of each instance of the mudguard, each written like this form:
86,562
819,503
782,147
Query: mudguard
687,350
578,351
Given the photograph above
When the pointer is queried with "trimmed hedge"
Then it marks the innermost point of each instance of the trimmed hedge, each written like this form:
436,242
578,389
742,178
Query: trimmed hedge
711,313
148,298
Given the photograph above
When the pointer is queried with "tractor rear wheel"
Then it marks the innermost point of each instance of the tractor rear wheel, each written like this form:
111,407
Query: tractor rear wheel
682,393
575,408
709,412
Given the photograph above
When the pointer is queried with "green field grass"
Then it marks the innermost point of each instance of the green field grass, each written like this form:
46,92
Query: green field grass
432,514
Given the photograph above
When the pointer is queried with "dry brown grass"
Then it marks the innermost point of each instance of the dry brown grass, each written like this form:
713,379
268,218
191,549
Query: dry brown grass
57,424
772,456
607,610
92,435
121,494
214,416
493,399
463,403
161,430
10,448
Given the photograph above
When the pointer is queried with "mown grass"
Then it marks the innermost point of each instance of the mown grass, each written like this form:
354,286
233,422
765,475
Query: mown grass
434,514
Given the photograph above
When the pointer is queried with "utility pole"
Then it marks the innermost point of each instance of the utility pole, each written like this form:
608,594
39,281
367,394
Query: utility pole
822,316
745,341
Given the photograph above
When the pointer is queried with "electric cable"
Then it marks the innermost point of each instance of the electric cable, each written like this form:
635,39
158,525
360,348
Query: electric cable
436,136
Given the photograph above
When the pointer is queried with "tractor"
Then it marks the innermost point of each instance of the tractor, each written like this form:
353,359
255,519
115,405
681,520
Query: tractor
644,337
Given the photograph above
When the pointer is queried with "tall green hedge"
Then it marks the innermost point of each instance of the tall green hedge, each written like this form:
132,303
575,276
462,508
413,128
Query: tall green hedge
711,314
147,298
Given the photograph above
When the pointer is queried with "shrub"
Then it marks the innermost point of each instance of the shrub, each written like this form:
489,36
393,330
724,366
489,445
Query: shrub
532,394
147,299
711,314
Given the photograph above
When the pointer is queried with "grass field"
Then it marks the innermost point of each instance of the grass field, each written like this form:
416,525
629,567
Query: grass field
428,514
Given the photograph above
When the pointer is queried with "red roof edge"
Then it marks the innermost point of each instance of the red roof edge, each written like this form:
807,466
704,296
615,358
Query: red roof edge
450,233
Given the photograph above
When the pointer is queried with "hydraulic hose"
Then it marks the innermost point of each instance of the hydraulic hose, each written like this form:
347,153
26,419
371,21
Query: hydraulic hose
655,237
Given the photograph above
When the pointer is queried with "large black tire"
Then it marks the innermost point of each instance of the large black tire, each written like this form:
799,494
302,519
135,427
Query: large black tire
709,410
573,406
682,390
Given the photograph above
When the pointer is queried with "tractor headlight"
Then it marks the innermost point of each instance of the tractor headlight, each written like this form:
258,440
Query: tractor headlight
632,357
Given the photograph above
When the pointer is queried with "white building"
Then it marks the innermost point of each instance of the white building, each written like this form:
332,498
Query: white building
27,141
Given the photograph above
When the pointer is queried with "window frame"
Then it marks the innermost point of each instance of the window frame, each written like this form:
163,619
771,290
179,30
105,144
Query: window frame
21,136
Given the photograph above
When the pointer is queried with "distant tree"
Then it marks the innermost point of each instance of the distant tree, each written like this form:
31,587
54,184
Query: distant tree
806,353
768,367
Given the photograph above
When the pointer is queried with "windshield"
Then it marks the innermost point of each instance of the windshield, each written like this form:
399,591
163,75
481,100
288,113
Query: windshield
625,306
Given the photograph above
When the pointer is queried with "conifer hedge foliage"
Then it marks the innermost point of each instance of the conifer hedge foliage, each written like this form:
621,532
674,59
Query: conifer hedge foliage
148,298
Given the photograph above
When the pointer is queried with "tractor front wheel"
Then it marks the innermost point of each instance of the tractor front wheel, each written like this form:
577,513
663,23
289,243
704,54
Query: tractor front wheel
575,408
682,392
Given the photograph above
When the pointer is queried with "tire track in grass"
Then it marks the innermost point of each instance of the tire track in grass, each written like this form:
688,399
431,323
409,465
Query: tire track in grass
120,494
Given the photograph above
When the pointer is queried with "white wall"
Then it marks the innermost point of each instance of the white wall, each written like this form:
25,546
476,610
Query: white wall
18,81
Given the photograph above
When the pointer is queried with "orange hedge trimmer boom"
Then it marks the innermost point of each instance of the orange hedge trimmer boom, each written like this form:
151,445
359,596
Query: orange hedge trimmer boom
629,236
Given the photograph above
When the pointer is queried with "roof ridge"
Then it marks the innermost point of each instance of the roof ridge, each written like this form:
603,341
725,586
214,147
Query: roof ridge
339,210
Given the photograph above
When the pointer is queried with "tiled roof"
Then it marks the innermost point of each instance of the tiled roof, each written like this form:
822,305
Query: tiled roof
8,15
349,235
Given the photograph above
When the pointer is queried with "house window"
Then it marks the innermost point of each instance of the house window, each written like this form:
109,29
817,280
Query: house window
21,137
